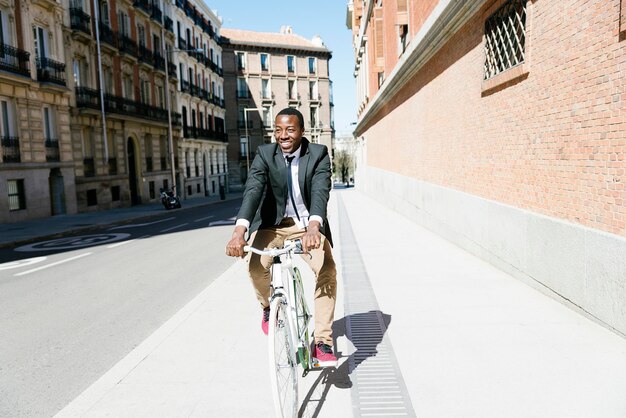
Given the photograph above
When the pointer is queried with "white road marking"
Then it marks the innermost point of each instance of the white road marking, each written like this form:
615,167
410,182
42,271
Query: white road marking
175,227
229,221
204,219
53,264
119,244
21,263
72,243
138,225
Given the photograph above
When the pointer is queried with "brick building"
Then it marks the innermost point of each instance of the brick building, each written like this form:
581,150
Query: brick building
509,134
265,73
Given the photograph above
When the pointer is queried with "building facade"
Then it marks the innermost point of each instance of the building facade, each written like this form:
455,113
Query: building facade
509,134
265,73
200,100
36,163
119,120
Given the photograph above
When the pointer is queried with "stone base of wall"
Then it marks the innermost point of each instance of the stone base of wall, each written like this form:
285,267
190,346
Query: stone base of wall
581,267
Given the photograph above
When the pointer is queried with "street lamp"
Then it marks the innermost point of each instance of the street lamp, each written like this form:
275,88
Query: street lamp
245,121
168,104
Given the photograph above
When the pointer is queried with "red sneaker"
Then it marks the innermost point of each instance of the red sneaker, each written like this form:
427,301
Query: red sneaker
265,321
323,356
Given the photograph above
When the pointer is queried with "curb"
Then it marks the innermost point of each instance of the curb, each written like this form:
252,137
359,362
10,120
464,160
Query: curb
4,245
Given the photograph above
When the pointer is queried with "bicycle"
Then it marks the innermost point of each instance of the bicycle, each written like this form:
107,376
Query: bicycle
289,337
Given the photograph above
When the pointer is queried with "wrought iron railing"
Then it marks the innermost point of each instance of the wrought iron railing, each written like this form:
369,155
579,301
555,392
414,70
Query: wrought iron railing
52,150
158,62
107,35
10,149
90,98
168,23
171,69
184,86
79,20
14,60
182,44
127,45
50,70
144,54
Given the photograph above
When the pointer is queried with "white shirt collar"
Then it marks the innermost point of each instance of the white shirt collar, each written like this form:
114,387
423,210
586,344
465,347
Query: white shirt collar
295,154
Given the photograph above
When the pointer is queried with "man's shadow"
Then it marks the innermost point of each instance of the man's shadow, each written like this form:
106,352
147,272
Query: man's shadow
340,377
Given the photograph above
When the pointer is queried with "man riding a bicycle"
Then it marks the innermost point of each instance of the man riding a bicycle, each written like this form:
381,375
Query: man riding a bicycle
286,198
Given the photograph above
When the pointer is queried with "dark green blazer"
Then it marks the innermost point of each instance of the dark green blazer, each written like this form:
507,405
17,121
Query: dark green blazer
266,193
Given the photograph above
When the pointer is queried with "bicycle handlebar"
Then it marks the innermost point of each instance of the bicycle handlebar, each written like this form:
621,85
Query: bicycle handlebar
275,252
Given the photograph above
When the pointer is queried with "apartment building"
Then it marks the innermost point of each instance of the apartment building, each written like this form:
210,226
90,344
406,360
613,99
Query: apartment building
119,121
265,73
509,134
200,99
36,164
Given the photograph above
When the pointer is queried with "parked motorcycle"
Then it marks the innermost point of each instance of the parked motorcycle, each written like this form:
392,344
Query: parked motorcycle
169,199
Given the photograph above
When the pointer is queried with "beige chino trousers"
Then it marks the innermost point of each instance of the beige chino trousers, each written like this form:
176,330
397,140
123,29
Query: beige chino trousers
321,262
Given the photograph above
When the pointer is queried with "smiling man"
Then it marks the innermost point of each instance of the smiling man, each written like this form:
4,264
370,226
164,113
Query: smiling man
289,181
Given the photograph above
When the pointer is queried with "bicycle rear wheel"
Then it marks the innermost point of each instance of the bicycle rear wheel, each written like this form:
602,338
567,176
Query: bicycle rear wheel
283,373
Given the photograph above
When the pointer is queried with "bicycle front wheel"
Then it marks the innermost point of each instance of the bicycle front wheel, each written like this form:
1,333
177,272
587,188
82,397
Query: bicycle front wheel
283,370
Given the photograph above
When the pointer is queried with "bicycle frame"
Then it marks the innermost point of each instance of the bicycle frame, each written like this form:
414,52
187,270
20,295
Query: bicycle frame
283,271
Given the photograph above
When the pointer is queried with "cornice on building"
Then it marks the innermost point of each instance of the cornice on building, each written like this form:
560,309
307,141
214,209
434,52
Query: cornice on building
443,23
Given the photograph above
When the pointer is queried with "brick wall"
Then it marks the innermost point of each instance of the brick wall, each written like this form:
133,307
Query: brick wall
552,141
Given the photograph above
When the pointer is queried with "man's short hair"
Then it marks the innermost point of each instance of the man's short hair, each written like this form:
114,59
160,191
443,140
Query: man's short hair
290,111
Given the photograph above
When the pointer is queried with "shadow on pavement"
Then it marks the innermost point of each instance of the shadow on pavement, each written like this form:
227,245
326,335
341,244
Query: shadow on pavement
339,377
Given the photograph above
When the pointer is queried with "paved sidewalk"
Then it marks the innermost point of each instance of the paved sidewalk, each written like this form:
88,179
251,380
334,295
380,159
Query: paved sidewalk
470,341
27,231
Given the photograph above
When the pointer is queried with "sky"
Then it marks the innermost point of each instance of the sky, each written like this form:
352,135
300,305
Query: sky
326,18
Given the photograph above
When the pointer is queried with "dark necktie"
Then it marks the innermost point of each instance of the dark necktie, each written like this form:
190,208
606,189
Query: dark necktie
290,185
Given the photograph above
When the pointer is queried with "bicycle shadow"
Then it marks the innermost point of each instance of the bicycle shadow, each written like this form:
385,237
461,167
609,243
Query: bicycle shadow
339,377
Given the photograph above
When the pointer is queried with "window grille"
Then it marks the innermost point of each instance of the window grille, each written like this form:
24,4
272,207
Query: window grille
17,197
505,38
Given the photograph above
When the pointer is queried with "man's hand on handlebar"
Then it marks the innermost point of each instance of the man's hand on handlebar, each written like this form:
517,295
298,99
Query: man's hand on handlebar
234,248
312,239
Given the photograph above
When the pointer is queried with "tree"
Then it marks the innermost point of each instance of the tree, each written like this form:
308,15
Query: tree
343,166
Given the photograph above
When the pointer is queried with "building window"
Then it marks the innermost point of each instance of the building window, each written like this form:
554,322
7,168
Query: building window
265,88
265,62
381,78
312,65
505,38
291,63
267,116
243,146
17,197
241,61
151,189
314,117
291,89
313,90
242,88
403,37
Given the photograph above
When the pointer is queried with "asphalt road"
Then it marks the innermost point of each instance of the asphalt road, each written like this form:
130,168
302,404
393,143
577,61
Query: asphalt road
71,308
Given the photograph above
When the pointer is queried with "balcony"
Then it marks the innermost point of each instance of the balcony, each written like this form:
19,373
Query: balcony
169,24
157,14
79,20
145,55
107,35
127,45
144,5
14,60
159,62
90,98
51,71
89,167
171,69
87,97
10,149
184,86
182,44
52,150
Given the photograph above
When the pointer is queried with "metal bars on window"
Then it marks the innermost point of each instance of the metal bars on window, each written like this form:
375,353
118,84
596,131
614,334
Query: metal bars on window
505,38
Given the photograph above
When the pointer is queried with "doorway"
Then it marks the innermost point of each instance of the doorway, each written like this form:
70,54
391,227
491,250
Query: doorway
132,172
57,192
